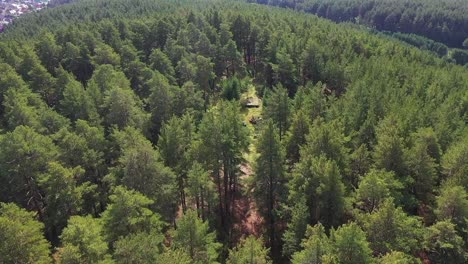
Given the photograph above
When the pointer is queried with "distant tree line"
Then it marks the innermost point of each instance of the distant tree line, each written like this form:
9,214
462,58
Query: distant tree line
442,21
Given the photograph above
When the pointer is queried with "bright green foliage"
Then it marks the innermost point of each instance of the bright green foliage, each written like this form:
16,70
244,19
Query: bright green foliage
139,248
85,147
249,251
349,245
375,187
22,237
8,55
452,204
10,78
363,118
129,213
316,245
83,241
192,235
444,244
187,100
390,229
397,257
175,257
269,179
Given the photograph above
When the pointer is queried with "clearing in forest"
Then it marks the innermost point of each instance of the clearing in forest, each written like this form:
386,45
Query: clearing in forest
247,219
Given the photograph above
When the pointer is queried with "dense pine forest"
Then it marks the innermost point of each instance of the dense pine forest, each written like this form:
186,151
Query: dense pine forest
221,131
434,25
444,21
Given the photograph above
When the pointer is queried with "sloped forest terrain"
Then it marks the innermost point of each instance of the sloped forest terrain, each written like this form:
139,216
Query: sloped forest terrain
212,131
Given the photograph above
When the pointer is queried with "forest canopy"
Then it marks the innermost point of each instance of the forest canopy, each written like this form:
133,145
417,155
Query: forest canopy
216,131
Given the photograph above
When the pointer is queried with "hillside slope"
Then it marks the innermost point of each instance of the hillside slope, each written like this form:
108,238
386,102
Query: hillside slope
442,21
126,136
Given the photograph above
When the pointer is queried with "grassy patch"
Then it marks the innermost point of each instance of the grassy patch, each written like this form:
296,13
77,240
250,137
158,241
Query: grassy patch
248,113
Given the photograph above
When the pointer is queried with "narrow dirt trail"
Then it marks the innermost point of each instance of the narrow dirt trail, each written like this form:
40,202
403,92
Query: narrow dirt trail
247,218
250,222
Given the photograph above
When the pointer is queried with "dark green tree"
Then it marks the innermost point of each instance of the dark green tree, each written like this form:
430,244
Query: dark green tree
269,180
24,157
192,236
63,196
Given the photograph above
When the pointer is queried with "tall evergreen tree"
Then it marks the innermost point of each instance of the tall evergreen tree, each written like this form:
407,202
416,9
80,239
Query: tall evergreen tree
192,236
249,251
22,237
277,107
269,180
83,241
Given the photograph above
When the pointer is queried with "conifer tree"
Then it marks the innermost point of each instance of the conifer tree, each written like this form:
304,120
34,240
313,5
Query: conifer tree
192,236
249,251
22,237
269,180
